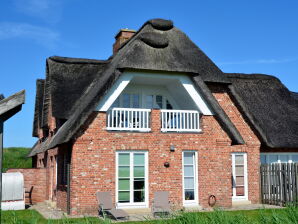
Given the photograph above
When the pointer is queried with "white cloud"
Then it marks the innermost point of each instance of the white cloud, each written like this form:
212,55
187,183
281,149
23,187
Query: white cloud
259,61
48,10
41,35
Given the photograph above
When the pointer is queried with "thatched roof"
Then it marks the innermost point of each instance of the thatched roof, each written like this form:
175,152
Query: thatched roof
66,81
75,86
1,96
269,106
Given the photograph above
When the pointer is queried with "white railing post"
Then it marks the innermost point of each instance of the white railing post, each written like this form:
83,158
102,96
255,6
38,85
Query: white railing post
180,121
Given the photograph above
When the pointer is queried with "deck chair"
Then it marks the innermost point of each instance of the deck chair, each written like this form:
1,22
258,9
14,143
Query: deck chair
161,203
106,206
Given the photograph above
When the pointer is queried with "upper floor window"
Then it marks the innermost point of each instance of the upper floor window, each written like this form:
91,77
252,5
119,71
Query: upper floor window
148,101
268,158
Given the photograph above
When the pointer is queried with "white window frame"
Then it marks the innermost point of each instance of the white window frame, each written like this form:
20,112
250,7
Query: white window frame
190,203
132,204
278,154
234,197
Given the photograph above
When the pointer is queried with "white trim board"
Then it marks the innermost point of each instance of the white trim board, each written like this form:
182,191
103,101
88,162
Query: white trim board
126,78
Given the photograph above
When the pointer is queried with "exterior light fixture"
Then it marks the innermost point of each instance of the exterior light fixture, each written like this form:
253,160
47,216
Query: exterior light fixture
172,148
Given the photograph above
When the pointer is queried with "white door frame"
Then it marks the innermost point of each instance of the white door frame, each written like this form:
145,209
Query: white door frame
196,182
133,204
245,197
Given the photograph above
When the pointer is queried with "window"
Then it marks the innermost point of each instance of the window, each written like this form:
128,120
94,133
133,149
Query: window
189,178
127,100
239,170
132,178
63,161
268,158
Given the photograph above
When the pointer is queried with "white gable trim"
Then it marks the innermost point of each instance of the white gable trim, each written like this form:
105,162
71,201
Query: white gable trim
126,77
114,92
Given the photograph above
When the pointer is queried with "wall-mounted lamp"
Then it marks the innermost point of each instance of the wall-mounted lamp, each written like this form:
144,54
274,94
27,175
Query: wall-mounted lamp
172,148
166,164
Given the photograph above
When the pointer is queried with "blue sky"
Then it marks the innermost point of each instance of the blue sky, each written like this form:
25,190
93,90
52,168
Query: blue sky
239,36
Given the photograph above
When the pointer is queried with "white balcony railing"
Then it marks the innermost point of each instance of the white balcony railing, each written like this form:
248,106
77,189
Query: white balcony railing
128,119
180,121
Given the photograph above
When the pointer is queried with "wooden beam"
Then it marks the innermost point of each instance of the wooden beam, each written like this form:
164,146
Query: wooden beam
11,105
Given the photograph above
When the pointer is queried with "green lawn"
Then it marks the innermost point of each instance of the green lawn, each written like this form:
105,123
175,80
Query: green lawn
262,216
15,157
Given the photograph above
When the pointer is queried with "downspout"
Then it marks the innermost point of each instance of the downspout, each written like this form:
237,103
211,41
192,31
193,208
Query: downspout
68,188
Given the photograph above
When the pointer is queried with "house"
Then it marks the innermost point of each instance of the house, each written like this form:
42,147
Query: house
158,115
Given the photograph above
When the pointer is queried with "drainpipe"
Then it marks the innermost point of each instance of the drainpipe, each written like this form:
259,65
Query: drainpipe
68,188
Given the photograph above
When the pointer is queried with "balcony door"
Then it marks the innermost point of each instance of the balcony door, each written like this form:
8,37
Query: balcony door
132,179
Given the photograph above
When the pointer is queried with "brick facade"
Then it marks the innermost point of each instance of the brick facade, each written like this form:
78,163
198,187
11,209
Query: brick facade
93,156
94,153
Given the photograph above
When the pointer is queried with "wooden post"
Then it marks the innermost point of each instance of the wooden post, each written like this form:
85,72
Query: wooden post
1,155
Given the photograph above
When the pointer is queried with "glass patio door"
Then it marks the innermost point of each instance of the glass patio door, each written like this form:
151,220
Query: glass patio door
132,179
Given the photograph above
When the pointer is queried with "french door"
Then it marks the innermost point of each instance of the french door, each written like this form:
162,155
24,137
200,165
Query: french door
132,179
190,178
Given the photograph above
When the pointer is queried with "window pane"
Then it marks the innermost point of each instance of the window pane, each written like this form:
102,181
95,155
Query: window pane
295,158
123,171
123,196
126,100
188,158
189,195
116,103
139,196
272,159
159,101
169,106
149,101
139,184
284,158
239,170
139,159
139,171
239,181
136,101
189,183
263,159
124,184
188,171
123,159
239,159
240,191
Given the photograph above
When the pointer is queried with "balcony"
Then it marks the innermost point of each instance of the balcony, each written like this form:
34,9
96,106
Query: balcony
132,119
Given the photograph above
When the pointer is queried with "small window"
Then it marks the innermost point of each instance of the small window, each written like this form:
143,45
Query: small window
159,101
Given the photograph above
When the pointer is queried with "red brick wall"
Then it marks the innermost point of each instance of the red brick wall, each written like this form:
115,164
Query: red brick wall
93,159
36,178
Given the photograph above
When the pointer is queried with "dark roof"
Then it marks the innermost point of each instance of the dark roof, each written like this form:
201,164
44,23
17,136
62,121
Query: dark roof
157,46
37,122
161,47
66,81
295,95
269,106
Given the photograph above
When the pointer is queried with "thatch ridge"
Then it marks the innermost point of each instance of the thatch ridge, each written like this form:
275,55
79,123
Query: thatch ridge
269,106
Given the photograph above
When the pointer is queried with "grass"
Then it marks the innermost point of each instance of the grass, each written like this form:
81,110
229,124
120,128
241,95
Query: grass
261,216
15,157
